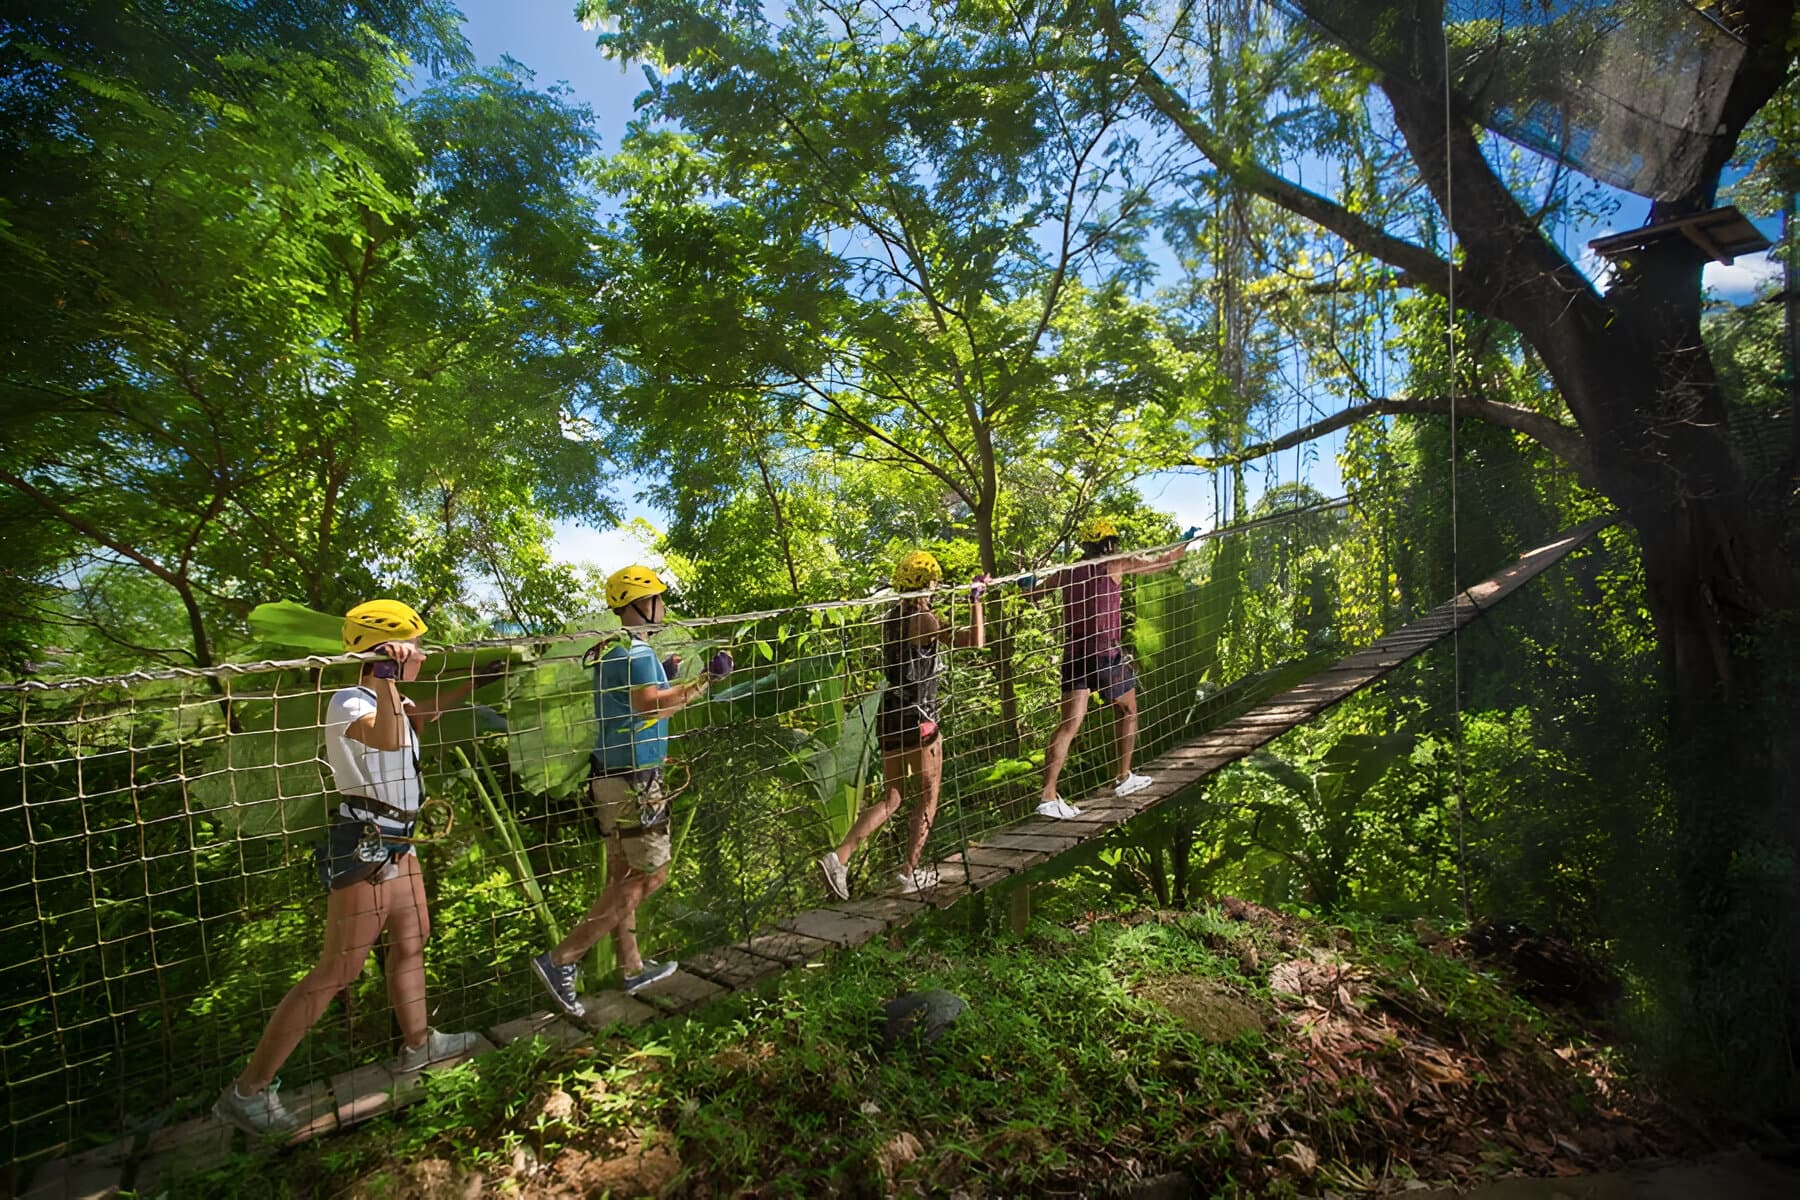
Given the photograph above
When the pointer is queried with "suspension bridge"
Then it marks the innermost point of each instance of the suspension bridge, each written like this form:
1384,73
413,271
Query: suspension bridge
177,830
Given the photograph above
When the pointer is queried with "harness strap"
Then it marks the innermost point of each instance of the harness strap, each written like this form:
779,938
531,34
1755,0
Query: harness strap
369,806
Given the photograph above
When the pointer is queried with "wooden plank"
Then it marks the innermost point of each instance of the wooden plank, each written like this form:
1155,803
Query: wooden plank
552,1027
1198,753
96,1172
313,1106
679,993
783,946
613,1007
1032,840
364,1092
950,888
841,929
890,908
1013,861
730,967
202,1144
955,870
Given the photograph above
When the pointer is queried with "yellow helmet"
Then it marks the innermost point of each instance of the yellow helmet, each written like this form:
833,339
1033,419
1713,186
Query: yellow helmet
632,583
376,621
1096,529
917,571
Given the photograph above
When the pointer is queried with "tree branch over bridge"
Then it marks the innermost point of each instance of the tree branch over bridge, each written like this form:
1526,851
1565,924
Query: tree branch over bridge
1564,441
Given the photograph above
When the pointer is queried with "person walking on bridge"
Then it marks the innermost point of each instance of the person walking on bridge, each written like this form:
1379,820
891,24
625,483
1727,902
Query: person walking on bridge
910,736
371,745
633,701
1093,658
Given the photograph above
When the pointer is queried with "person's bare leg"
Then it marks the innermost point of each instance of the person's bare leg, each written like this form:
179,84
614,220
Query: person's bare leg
601,919
931,778
408,925
353,920
895,766
1125,713
616,870
1074,711
625,934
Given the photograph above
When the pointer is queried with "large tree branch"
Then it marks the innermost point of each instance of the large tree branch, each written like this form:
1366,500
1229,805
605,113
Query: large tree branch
834,409
182,585
88,529
1564,441
1427,269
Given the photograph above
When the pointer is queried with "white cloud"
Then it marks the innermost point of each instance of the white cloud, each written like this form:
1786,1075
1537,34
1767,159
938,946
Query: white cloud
1743,278
607,549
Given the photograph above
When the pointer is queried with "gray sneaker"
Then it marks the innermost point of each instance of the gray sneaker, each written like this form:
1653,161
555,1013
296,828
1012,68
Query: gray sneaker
923,879
653,972
837,876
260,1115
559,981
438,1047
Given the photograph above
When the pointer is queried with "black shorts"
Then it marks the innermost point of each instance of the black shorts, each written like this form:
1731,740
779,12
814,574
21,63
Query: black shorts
1107,672
353,852
904,731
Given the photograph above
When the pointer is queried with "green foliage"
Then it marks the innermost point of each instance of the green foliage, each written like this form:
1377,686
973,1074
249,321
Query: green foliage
236,435
1075,1053
285,625
550,727
966,360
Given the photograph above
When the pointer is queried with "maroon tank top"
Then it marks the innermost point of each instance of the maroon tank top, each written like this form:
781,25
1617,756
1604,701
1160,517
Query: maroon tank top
1090,609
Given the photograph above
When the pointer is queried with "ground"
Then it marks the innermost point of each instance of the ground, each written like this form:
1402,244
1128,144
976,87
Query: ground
1229,1050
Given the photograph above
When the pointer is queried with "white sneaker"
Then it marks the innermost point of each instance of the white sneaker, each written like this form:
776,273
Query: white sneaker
260,1115
437,1048
1131,783
1058,809
921,880
837,876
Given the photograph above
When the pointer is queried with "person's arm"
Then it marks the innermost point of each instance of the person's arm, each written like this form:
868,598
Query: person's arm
440,702
385,728
975,636
1148,566
656,701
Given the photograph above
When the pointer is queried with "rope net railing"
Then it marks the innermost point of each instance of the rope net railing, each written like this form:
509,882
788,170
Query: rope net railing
159,828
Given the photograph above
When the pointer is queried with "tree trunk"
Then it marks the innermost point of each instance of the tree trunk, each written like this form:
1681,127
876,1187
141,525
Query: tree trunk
787,549
1000,629
1721,577
1181,852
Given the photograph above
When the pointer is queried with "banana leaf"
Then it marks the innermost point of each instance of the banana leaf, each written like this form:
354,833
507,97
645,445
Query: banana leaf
550,726
766,696
840,770
269,775
285,625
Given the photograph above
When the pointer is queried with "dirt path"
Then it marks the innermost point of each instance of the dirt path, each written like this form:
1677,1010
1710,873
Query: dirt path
1741,1176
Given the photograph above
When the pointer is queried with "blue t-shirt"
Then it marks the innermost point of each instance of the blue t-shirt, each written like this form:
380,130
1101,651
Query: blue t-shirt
627,740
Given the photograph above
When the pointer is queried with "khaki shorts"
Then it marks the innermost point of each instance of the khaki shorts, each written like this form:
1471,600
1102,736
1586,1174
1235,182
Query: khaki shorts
636,817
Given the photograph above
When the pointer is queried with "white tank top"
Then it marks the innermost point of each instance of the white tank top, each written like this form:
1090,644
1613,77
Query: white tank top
390,776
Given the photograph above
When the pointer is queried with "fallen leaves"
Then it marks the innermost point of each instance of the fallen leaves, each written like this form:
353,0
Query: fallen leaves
1380,1089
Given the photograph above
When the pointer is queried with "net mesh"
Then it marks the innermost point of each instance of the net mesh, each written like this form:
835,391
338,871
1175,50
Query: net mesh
1628,92
160,827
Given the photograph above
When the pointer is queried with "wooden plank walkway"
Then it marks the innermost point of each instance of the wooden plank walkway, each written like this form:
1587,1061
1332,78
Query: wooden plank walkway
356,1095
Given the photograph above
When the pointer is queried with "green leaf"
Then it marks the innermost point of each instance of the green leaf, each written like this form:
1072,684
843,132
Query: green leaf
285,625
269,776
840,769
550,727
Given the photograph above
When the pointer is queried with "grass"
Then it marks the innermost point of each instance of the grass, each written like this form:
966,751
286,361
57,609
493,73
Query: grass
1073,1071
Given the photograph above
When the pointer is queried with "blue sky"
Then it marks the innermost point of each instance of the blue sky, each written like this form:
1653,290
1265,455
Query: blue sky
544,36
